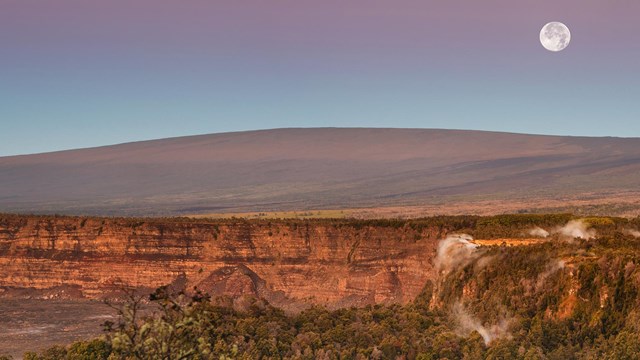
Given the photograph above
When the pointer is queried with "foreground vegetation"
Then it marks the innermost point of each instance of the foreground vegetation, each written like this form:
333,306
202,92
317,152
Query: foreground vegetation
564,299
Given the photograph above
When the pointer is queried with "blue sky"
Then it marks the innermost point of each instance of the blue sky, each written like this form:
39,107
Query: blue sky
78,74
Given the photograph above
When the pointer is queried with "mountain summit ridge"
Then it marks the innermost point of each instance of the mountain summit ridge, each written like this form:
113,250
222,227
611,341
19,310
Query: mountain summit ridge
301,168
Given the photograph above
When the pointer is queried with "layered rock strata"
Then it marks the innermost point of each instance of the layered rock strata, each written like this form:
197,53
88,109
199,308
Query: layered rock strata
293,263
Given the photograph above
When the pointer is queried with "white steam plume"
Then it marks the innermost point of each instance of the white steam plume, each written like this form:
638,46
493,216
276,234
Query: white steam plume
551,268
576,229
454,251
539,232
467,324
632,232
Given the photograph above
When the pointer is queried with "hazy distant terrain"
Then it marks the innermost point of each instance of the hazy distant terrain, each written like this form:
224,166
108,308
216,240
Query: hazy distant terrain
292,169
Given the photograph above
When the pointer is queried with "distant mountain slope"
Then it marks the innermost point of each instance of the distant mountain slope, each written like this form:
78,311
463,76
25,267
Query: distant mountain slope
315,168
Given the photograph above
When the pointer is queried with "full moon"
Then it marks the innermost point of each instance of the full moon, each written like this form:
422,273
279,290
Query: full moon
555,36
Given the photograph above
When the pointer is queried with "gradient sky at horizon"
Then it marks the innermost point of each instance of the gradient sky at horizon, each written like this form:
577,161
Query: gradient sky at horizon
77,73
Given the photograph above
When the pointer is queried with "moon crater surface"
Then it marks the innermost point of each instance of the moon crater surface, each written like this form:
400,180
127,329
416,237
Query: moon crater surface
555,36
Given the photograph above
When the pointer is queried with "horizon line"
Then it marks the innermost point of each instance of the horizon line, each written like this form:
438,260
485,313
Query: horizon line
305,128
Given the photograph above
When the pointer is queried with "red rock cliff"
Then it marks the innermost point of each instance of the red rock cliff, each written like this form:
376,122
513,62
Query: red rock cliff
339,263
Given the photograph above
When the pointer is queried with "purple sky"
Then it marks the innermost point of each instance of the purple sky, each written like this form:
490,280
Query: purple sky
86,73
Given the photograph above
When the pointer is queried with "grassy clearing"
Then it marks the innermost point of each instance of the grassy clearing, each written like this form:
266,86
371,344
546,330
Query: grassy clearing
508,242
